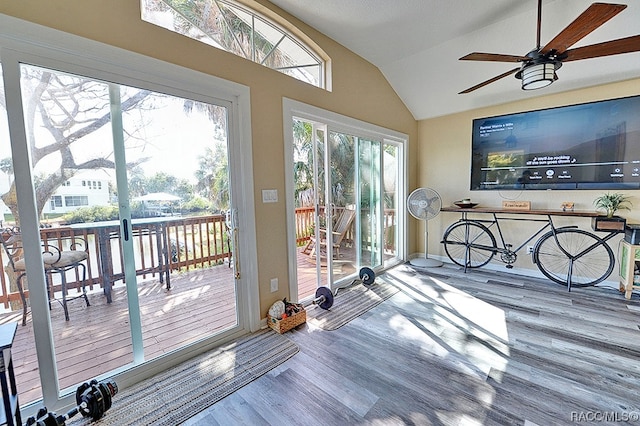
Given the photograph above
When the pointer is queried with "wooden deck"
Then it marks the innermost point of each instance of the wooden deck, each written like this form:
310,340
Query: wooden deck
97,338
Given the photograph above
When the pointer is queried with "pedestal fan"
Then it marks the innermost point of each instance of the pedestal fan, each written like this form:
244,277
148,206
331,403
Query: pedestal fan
424,204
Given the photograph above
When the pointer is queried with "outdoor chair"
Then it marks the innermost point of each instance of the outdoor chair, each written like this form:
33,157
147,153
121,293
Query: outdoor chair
342,226
55,260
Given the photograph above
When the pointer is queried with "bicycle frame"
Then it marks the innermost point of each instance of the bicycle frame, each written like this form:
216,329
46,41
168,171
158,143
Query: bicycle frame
508,255
505,247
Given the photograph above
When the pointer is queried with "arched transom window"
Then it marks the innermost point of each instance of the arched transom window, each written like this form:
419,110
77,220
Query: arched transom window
240,30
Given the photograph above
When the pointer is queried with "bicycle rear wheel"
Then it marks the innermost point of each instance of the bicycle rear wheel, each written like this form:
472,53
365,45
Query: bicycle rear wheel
471,242
589,269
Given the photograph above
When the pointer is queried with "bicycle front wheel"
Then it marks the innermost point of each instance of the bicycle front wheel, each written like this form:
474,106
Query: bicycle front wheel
469,242
577,255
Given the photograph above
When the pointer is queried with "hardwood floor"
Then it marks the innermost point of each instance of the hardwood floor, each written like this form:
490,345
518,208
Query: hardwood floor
453,348
97,338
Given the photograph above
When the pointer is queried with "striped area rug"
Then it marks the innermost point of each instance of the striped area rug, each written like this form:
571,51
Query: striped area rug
179,393
349,303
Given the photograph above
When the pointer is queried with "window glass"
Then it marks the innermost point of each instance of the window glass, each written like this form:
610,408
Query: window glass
76,200
239,30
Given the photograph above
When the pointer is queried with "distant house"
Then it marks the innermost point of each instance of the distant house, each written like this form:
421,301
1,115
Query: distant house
83,190
80,191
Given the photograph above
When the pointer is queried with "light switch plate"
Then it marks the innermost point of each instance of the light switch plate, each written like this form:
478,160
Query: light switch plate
269,195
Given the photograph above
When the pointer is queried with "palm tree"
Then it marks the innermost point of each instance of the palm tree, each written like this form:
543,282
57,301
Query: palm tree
213,176
221,24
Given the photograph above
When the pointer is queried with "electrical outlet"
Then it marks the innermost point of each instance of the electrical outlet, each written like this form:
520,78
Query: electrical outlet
529,249
274,284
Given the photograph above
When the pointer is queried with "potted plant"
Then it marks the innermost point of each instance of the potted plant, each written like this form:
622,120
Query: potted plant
611,203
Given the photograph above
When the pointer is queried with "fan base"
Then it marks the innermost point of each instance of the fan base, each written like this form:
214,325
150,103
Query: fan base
422,262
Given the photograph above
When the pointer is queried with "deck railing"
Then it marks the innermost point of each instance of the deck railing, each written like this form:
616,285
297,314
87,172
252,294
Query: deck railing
191,242
305,226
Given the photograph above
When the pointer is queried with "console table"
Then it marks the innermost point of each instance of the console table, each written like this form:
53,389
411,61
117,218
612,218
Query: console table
599,222
566,255
558,212
11,413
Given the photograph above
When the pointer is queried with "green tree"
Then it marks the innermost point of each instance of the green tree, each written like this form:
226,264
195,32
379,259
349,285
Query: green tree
303,163
60,112
222,25
213,176
136,182
342,164
164,182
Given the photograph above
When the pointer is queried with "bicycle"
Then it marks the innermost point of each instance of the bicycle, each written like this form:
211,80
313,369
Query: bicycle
566,255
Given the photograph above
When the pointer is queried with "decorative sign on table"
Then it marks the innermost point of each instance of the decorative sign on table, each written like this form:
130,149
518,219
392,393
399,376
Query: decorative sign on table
516,205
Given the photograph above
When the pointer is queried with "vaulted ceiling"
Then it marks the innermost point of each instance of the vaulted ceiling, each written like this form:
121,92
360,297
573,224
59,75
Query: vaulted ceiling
417,45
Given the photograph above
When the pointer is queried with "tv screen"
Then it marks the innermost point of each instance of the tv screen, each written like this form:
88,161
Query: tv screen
588,146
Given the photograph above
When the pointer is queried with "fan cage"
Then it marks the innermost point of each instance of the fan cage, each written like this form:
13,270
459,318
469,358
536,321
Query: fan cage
428,204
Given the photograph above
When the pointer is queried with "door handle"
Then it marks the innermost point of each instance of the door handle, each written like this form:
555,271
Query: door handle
125,227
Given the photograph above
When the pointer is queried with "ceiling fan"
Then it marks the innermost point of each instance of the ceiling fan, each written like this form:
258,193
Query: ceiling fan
538,67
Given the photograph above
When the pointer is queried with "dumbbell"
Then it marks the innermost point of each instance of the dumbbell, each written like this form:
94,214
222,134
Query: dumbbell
324,296
367,277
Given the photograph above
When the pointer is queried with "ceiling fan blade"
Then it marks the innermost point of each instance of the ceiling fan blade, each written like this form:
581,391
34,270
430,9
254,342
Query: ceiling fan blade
495,57
484,83
595,15
607,48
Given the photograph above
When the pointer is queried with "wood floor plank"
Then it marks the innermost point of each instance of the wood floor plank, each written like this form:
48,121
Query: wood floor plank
452,348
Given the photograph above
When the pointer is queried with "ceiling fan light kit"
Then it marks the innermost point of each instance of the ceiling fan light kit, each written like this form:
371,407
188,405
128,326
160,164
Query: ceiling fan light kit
537,76
538,68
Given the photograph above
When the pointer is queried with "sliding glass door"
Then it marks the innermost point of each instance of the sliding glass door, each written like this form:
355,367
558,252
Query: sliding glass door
345,203
140,181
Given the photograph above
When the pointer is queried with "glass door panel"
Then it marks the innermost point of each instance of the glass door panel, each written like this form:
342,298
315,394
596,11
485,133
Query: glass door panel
11,310
342,173
310,202
68,124
350,183
370,243
103,155
179,187
390,184
357,182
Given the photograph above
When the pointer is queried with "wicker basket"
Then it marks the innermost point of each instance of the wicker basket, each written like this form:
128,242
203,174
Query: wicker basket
286,324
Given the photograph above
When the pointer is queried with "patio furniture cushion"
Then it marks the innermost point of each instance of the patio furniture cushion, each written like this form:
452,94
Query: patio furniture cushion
54,260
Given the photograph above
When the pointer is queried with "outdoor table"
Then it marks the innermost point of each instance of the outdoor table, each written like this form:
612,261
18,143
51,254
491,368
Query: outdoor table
107,230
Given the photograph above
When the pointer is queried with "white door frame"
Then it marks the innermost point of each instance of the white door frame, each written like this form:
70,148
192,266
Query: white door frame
340,123
23,42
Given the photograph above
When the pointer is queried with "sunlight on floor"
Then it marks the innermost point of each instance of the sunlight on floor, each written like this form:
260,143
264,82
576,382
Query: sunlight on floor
473,328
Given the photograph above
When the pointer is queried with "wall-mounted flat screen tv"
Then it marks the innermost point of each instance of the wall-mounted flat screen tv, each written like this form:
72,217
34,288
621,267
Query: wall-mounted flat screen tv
588,146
